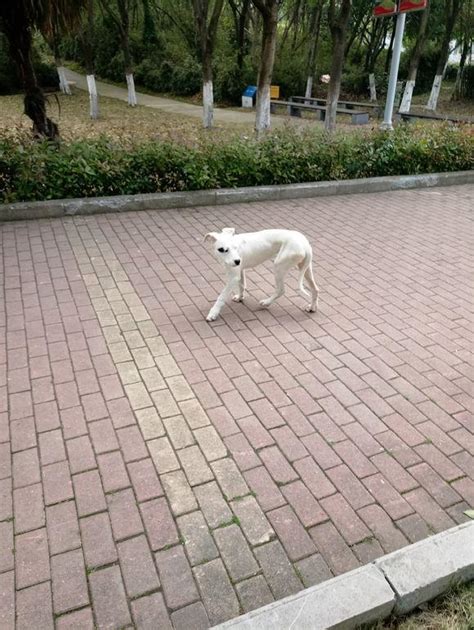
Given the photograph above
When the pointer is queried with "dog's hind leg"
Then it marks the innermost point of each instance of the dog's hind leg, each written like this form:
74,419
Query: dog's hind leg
308,276
281,269
242,286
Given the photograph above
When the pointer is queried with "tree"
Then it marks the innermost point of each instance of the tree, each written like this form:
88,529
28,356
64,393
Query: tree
268,9
240,12
119,12
466,39
338,13
206,32
452,8
415,61
18,19
88,48
315,27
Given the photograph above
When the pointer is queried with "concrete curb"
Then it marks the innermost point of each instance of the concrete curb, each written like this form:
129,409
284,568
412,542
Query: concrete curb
166,201
397,582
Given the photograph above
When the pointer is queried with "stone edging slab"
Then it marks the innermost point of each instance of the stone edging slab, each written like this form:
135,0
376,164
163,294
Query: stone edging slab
194,198
395,583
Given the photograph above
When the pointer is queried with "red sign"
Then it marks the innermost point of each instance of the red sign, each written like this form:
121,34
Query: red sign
412,5
385,7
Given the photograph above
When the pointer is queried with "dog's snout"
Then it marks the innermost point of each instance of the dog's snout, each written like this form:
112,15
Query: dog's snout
237,262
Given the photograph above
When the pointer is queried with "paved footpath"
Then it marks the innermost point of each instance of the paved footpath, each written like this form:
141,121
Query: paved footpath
157,471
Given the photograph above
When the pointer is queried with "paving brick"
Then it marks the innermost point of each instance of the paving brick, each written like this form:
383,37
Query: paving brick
132,444
31,558
333,548
242,452
103,436
89,493
73,422
108,598
98,544
266,413
159,524
63,527
144,479
213,504
178,492
150,423
23,434
314,478
138,567
382,526
313,570
254,593
291,533
386,495
444,466
194,616
255,432
229,479
7,562
252,520
303,503
177,579
216,590
80,454
7,600
277,465
28,508
26,468
113,472
34,608
465,487
163,455
443,493
345,519
429,510
235,553
73,621
266,491
178,432
69,581
150,613
349,486
198,541
124,514
57,484
277,570
194,414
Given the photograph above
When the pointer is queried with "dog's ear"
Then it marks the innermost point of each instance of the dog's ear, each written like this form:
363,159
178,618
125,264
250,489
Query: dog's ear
211,235
230,231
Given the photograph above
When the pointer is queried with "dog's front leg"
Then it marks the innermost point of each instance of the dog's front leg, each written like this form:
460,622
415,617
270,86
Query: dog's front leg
221,300
239,297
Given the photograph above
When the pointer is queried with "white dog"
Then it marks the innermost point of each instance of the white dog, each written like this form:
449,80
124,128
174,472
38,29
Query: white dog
239,252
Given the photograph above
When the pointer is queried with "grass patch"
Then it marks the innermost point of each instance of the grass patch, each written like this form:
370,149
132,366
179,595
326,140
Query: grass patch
453,611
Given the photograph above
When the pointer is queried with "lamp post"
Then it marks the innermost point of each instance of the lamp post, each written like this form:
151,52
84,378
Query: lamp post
392,82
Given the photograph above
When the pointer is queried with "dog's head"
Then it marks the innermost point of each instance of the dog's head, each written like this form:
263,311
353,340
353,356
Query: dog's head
225,246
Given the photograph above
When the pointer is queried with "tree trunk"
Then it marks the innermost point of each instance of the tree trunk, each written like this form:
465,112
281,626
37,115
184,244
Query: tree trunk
88,44
124,27
206,31
270,21
63,82
452,11
338,26
207,93
18,34
460,73
372,88
414,62
316,27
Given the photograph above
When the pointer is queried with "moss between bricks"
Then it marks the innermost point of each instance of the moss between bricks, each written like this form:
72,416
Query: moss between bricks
35,171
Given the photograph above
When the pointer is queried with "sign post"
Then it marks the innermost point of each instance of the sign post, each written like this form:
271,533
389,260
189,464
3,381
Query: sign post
383,8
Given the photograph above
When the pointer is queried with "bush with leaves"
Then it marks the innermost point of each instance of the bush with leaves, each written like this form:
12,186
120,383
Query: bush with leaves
34,171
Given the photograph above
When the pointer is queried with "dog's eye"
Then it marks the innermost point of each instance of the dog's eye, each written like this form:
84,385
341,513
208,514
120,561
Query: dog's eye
222,250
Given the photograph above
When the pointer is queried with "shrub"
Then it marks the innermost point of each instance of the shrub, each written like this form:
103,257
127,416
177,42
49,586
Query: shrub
32,171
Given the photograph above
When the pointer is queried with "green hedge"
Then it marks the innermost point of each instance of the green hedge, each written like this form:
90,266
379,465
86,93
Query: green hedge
33,171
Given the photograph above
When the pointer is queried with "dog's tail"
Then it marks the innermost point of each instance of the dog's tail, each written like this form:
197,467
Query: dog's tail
303,266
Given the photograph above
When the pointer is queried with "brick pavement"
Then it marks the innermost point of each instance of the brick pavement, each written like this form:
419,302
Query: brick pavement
157,471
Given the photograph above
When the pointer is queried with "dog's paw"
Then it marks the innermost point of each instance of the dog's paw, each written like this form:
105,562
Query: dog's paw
309,309
265,303
238,298
212,316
